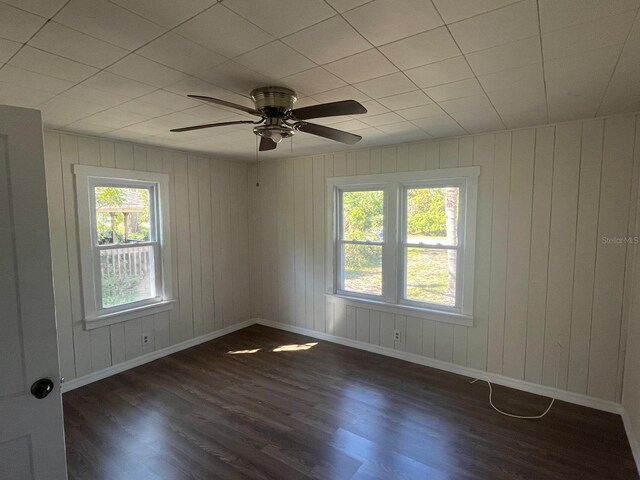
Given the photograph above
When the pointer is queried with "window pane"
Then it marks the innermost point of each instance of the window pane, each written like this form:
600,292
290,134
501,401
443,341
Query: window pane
431,275
122,215
432,215
362,268
127,275
363,216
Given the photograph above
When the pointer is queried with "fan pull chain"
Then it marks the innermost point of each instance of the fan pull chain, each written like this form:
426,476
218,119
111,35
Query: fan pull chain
257,163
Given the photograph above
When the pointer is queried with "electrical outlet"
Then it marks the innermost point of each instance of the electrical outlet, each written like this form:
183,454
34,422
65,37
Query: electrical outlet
396,335
146,338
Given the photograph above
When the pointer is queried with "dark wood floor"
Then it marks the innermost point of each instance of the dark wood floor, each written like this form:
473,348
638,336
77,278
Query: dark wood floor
328,412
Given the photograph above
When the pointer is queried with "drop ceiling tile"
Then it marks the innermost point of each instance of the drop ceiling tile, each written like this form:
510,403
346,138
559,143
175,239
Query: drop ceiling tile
210,113
112,83
87,128
405,100
498,27
350,125
108,22
312,81
456,105
421,49
115,118
20,96
68,43
327,41
601,33
45,63
282,17
362,66
18,25
438,73
343,93
344,5
443,126
385,86
583,64
557,14
402,129
383,119
8,48
423,111
479,120
195,86
526,77
373,108
69,109
516,115
448,91
44,8
503,57
147,109
177,52
147,71
456,10
170,100
82,93
223,31
527,96
235,77
167,13
275,60
32,80
385,21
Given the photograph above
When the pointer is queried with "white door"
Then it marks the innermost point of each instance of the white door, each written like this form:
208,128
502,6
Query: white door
31,429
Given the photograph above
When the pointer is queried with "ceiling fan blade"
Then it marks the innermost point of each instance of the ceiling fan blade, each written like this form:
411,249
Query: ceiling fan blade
327,132
224,103
210,125
333,109
267,144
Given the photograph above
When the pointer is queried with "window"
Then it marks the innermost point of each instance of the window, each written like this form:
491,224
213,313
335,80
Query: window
405,241
125,255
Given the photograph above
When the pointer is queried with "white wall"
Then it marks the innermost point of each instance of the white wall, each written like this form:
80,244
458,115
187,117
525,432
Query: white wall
631,385
209,240
547,196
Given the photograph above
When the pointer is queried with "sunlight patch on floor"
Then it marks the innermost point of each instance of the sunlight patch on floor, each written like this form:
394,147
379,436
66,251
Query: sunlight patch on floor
240,352
295,347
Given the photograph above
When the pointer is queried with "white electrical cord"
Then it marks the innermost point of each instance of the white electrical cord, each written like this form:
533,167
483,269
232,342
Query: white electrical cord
526,417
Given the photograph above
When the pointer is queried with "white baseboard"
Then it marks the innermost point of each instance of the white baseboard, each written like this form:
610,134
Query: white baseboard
150,357
557,393
634,442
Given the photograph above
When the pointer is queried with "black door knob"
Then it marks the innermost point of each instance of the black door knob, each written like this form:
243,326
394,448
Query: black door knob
41,388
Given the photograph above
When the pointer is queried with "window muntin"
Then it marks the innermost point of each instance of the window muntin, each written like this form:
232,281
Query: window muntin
361,240
125,241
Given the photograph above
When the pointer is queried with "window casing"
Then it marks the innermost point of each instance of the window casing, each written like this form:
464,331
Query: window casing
406,257
124,275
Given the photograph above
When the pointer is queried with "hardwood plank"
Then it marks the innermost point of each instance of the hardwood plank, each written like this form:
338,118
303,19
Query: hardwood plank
326,412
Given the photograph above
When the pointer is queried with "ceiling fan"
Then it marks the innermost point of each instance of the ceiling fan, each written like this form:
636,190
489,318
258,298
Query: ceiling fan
278,118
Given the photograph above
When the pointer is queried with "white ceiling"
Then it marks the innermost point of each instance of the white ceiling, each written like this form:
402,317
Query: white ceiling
122,68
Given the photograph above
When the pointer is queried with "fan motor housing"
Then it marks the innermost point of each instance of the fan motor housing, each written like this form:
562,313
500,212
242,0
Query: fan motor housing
273,98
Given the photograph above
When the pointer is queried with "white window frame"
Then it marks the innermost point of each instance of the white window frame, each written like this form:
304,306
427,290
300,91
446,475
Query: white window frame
89,177
395,186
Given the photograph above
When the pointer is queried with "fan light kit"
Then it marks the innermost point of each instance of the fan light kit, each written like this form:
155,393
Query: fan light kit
278,118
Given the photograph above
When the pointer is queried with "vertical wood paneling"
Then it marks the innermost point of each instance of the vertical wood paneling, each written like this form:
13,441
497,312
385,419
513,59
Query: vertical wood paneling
401,325
192,231
299,242
351,323
308,241
564,201
539,261
387,326
318,199
483,156
617,161
414,335
362,325
586,244
518,250
499,241
417,156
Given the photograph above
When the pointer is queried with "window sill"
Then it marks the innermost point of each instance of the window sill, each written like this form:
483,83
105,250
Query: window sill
398,309
117,317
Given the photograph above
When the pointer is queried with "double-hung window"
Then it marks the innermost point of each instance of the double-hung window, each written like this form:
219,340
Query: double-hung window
405,242
124,243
